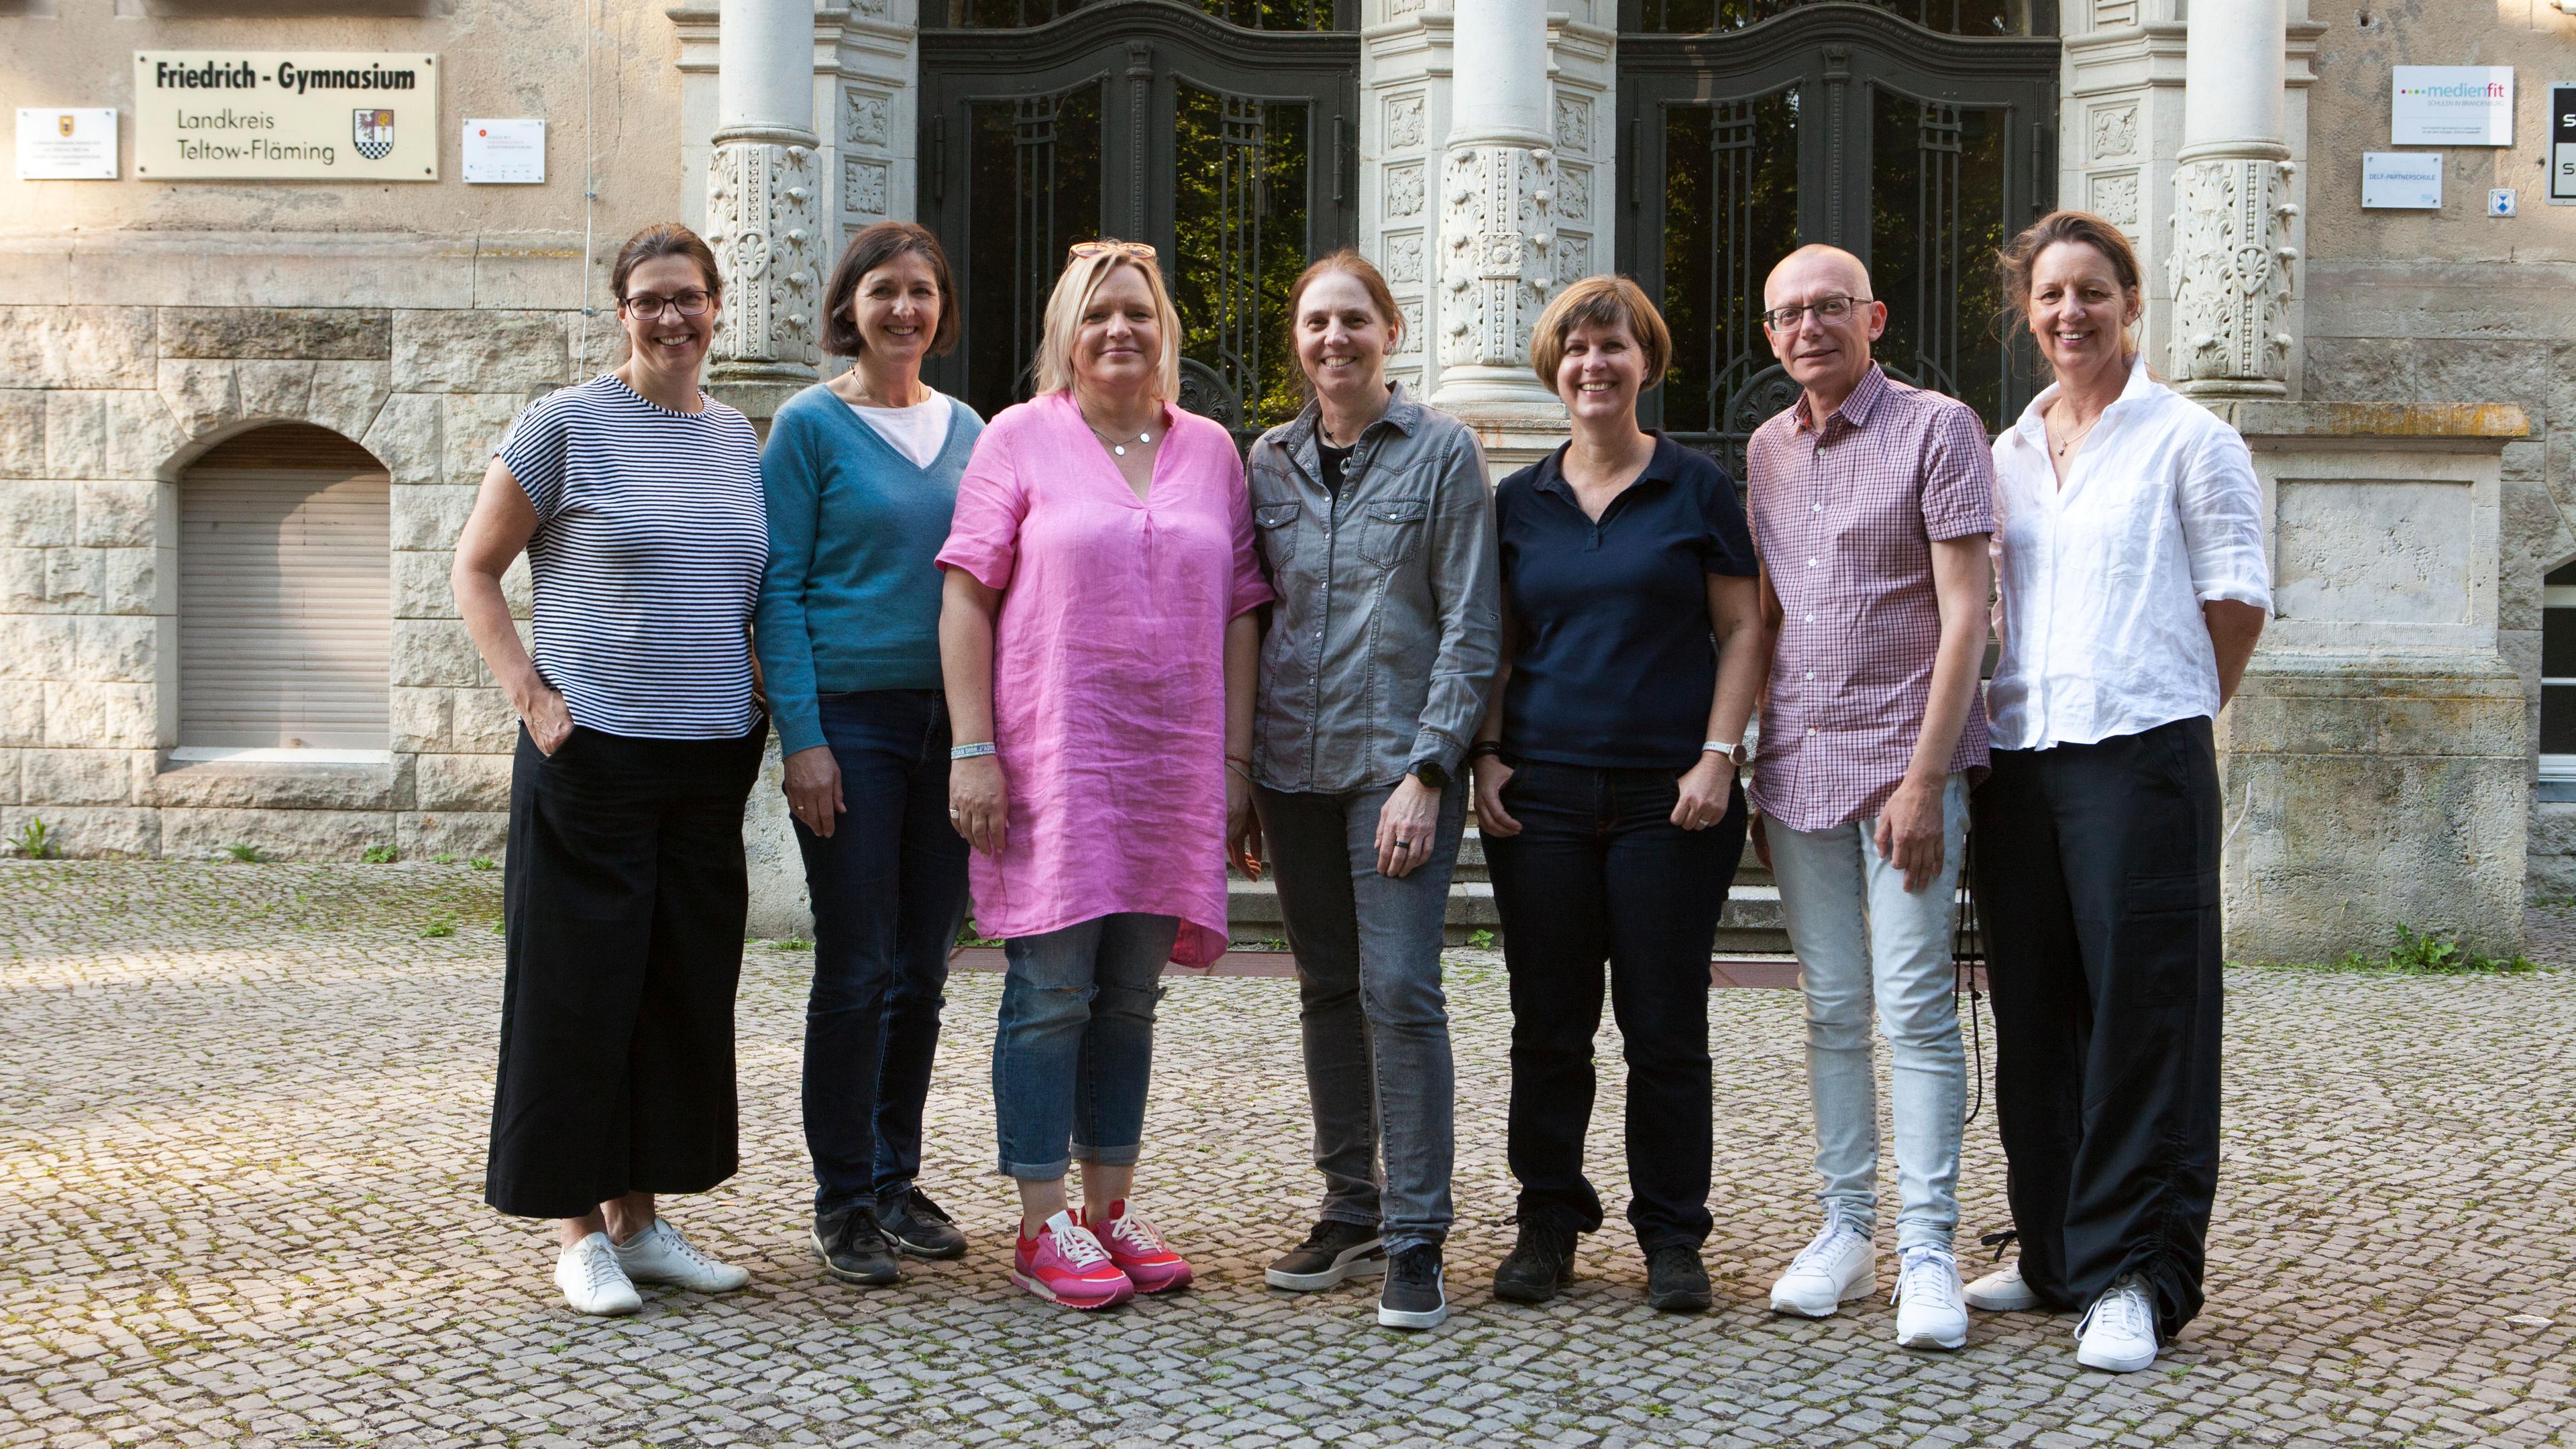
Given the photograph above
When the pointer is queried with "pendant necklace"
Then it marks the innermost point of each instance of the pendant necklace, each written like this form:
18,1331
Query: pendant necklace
1115,446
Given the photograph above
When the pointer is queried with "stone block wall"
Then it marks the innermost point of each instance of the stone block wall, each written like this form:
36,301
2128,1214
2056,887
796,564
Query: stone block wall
2413,331
103,408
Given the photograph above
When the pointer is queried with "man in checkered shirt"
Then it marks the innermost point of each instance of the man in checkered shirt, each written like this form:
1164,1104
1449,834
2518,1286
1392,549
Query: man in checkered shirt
1872,502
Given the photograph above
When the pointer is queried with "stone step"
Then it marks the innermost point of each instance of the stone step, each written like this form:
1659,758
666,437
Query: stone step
1750,927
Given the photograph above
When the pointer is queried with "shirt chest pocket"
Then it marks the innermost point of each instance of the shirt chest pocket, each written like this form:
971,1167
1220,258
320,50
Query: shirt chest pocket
1392,530
1276,524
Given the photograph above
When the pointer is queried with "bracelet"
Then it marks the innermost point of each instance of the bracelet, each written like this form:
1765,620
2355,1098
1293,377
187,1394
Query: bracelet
1238,760
1240,768
1481,748
969,752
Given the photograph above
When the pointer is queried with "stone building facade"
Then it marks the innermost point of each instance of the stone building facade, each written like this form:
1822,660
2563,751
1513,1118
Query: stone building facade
2403,377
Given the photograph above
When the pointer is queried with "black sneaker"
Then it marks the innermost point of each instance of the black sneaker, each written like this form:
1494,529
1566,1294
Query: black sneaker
1413,1296
1541,1263
918,1226
1332,1252
853,1248
1675,1280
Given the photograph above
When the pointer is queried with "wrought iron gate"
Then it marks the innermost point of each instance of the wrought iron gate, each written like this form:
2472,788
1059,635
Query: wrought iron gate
1227,145
1918,134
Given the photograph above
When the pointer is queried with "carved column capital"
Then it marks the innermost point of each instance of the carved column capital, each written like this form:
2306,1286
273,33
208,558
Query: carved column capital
2231,273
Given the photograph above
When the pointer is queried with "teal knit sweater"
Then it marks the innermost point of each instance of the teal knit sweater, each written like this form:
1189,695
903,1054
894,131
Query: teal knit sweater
851,598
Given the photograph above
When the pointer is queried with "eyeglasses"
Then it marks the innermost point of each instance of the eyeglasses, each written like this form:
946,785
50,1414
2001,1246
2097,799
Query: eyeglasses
1085,250
1827,309
646,306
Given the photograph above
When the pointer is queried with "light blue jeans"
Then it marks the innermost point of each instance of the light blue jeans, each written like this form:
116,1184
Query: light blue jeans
1074,1050
1859,935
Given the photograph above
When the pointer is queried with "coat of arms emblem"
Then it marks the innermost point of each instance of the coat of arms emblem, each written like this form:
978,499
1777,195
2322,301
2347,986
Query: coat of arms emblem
63,124
375,133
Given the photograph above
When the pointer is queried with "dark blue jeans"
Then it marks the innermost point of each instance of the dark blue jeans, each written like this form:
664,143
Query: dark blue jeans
1600,874
889,892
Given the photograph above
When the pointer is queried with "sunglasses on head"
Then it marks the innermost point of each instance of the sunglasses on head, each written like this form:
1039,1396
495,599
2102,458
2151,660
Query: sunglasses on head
1085,250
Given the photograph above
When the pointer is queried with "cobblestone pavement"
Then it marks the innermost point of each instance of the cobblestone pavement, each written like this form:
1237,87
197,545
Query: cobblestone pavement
239,1204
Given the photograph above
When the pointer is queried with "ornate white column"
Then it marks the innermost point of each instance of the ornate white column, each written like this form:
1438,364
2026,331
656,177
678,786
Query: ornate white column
1497,227
2234,211
763,201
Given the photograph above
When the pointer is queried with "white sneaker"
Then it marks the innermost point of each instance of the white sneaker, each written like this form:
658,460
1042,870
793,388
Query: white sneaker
1928,1311
1840,1264
660,1255
2002,1291
2118,1333
591,1281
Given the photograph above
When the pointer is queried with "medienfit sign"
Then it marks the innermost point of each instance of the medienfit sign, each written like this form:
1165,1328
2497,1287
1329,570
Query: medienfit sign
285,115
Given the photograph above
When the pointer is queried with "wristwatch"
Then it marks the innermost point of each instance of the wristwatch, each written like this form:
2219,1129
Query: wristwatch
1733,753
1431,775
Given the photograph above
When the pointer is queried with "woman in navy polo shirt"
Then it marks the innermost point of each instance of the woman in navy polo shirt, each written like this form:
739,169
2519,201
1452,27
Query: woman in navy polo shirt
1606,789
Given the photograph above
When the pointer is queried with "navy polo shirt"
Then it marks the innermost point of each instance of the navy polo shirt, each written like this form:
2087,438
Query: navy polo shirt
1614,663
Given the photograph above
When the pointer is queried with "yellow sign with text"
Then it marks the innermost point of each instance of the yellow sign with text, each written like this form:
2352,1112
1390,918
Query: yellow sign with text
294,115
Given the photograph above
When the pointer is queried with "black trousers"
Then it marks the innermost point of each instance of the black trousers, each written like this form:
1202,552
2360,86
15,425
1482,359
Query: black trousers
2097,882
1599,873
624,895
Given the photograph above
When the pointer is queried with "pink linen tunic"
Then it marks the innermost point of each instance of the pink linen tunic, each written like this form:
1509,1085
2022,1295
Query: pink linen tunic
1108,668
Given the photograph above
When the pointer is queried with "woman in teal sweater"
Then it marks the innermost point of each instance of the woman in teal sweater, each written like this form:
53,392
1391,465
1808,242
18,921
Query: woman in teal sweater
861,475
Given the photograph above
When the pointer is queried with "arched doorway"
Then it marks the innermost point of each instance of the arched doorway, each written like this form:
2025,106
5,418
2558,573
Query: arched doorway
1918,134
1221,132
284,594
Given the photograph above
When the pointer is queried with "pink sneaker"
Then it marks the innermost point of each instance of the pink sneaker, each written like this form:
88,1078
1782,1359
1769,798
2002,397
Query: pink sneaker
1140,1252
1065,1264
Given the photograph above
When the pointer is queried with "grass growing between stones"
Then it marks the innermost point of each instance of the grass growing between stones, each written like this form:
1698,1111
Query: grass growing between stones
2417,953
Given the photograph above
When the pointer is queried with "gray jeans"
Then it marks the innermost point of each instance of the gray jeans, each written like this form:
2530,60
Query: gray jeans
1375,1023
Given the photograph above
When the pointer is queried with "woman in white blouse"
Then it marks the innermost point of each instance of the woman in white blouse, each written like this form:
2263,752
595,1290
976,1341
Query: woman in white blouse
2134,583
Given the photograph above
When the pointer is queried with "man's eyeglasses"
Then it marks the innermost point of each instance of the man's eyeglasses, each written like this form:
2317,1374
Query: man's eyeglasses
1827,309
1085,250
691,303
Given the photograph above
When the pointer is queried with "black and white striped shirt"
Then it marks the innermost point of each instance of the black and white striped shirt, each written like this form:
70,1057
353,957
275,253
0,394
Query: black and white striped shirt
651,536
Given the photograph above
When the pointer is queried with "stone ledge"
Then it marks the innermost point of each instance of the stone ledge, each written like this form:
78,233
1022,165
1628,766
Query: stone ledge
2388,424
276,785
280,834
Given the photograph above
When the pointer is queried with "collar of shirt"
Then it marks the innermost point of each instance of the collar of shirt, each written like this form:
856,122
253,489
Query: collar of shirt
2032,426
1664,467
1305,432
1855,408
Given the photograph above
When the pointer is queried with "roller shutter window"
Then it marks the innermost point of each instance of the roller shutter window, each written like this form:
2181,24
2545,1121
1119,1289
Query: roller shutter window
284,598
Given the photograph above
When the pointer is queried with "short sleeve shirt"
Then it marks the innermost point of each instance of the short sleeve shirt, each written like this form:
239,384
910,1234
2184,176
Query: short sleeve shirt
651,537
1614,663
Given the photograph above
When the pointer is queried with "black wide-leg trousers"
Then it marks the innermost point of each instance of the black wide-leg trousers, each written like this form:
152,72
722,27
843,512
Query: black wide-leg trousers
2097,885
625,896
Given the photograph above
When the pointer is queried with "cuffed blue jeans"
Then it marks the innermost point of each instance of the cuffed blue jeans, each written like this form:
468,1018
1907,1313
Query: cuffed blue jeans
1075,1048
1370,1008
1861,935
889,888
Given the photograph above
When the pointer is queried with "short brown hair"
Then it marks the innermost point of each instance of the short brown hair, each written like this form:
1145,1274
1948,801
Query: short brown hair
1348,260
663,239
872,248
1607,300
2020,256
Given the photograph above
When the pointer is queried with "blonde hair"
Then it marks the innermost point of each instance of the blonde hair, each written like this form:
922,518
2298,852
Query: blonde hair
1073,290
1606,300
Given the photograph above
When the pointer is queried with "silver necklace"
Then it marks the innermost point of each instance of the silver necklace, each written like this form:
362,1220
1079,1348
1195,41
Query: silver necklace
1113,444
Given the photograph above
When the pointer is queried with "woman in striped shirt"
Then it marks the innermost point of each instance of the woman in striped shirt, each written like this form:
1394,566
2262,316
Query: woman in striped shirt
637,500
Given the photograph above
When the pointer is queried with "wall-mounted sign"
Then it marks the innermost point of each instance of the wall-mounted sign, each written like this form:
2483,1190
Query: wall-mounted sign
299,115
2562,143
2401,180
505,153
73,143
2451,105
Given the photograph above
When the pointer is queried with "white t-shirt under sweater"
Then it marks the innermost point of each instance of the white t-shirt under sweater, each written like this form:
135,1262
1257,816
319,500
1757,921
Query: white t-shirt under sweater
919,432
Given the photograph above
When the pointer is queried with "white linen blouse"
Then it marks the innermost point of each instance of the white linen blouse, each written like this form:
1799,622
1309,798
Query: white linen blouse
2101,582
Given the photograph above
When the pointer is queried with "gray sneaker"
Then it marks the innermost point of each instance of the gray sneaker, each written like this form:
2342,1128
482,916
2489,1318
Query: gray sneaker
1331,1253
1413,1296
916,1225
854,1249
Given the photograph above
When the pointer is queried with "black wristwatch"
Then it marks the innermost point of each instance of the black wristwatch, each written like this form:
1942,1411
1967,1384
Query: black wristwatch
1431,775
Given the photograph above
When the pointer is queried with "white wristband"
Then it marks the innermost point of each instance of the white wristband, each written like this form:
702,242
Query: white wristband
1734,752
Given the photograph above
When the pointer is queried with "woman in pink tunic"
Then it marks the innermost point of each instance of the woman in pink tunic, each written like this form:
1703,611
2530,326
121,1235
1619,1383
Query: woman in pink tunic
1098,645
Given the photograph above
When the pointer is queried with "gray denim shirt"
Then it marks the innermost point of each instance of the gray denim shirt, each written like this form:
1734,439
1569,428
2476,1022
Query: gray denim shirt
1385,639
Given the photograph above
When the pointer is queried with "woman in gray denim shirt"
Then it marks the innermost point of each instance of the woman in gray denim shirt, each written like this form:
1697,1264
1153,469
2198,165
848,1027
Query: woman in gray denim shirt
1377,529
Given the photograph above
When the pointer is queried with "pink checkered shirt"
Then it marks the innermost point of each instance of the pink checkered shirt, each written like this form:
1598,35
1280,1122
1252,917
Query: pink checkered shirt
1844,517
